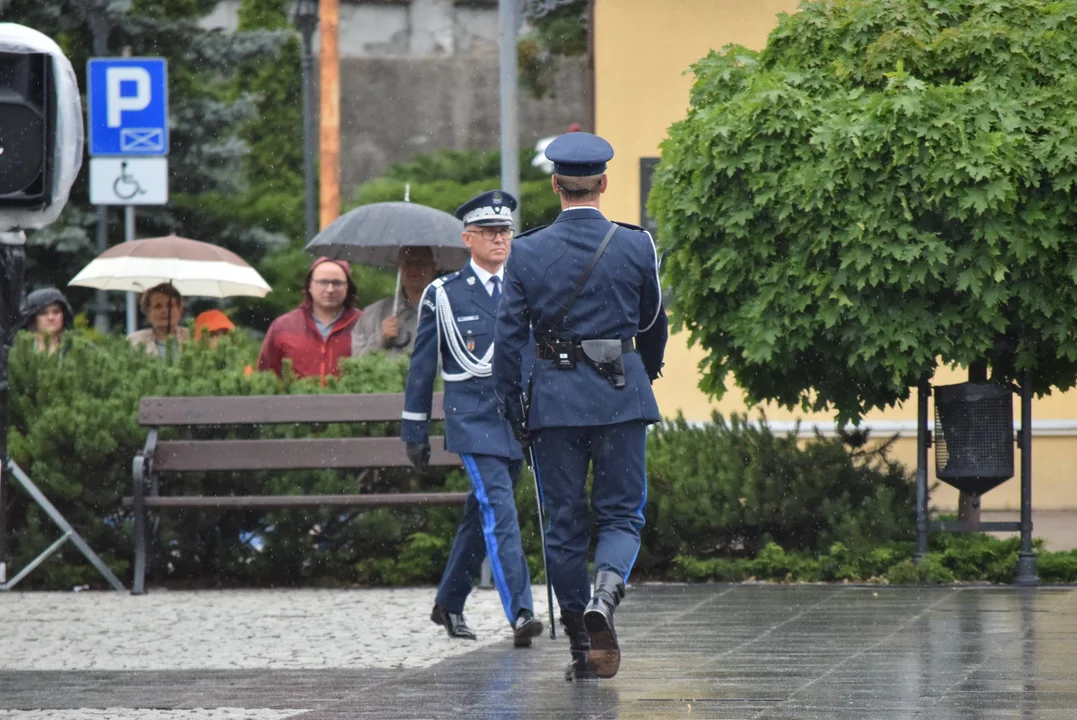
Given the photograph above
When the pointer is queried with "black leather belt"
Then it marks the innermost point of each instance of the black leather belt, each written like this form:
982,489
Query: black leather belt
545,351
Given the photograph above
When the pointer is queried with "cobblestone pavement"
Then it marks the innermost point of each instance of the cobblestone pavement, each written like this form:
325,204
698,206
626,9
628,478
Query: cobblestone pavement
238,629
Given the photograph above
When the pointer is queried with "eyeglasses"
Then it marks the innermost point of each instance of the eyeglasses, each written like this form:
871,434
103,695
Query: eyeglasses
491,234
335,284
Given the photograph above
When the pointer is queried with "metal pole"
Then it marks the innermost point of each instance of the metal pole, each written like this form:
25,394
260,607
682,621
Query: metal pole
1026,558
310,205
128,236
509,20
923,392
12,263
100,321
100,28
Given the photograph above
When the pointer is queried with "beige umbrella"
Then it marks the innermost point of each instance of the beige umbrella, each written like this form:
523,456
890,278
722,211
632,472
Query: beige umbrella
194,268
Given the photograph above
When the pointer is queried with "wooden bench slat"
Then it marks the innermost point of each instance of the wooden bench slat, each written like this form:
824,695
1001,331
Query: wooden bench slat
276,409
300,501
311,453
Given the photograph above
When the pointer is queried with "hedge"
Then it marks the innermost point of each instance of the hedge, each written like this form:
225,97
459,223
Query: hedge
728,500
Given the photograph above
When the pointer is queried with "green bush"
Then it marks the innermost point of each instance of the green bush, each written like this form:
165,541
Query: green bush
728,501
74,431
729,488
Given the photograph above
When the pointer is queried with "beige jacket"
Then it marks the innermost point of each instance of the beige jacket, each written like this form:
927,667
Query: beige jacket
366,335
146,339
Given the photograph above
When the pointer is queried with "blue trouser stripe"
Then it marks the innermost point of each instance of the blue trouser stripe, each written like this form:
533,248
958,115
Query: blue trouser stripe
488,525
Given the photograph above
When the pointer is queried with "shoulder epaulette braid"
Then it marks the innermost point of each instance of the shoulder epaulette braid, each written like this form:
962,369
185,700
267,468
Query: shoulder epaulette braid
630,226
525,233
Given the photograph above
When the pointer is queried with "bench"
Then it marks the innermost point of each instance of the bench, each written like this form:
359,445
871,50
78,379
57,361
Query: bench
177,456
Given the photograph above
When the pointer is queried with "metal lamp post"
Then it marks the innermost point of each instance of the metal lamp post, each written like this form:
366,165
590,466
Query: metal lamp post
306,20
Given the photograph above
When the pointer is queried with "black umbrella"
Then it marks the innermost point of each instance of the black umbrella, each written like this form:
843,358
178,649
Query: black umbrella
374,235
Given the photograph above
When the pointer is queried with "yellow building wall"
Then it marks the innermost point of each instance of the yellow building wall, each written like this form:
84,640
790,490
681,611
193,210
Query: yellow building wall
643,52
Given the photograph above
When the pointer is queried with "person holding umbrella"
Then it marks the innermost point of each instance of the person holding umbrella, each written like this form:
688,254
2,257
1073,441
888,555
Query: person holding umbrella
163,307
455,336
390,323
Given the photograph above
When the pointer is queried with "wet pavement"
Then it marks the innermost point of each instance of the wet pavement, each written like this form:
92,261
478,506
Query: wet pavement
706,651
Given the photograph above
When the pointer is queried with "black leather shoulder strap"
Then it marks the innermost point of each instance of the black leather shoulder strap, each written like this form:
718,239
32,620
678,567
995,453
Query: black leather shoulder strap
557,320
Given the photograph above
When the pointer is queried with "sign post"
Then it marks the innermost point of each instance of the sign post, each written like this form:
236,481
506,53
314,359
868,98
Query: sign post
128,119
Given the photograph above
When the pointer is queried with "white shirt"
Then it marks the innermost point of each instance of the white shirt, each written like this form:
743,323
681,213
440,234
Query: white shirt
484,277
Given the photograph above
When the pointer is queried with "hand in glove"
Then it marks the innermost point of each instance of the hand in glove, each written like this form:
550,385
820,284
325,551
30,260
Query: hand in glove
419,455
520,432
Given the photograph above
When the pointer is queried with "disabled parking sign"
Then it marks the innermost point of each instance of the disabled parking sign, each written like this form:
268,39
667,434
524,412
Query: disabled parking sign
128,106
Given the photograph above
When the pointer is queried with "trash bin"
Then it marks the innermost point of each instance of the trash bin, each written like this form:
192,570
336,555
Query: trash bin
974,435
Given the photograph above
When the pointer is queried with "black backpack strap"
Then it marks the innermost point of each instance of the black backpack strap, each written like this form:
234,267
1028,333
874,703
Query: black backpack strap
559,319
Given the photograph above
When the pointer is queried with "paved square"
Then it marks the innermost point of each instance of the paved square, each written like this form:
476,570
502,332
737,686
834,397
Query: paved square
756,652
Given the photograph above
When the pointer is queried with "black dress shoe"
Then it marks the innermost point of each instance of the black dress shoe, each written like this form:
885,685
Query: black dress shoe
580,669
605,653
527,626
453,623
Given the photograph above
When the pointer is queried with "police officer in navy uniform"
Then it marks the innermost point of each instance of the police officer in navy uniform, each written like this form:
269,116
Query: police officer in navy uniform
455,336
590,400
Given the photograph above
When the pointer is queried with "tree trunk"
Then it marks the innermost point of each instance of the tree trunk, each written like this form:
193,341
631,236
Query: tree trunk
968,505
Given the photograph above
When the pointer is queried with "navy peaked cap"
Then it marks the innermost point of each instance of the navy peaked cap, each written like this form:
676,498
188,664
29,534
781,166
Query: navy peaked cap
579,154
489,208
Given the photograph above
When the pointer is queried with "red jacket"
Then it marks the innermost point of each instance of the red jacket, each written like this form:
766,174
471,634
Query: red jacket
294,336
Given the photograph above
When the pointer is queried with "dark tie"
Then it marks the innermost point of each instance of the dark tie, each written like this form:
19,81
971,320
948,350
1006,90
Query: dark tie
496,294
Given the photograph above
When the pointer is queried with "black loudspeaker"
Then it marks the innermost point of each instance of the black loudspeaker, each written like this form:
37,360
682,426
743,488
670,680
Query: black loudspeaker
27,129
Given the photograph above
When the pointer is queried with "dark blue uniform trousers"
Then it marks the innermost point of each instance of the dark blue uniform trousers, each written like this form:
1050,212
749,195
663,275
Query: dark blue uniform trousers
491,528
618,495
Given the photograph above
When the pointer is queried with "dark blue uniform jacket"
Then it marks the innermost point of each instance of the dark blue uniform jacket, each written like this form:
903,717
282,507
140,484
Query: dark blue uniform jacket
622,299
473,424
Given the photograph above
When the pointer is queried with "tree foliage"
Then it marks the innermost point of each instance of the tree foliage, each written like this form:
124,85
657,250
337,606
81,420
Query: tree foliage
211,128
447,178
887,183
561,31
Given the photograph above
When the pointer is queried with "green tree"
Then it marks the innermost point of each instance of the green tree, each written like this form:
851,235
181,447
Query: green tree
888,183
447,178
560,31
207,158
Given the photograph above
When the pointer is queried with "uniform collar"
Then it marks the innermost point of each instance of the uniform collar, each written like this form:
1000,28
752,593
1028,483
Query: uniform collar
484,276
580,212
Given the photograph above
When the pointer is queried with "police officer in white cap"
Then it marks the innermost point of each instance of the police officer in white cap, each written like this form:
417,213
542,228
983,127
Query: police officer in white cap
588,289
455,335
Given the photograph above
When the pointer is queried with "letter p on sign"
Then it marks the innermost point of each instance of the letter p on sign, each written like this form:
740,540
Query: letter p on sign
115,77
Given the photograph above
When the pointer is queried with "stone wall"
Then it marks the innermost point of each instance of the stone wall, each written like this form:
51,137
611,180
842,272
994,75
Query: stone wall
393,108
422,75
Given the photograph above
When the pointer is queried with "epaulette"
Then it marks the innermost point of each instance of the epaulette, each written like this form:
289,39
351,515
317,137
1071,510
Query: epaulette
525,233
630,226
445,278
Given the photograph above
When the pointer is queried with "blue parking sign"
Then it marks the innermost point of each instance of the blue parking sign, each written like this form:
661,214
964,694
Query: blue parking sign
128,106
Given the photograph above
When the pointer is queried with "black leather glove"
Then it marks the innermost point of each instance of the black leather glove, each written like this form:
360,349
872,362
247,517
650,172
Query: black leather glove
419,455
520,432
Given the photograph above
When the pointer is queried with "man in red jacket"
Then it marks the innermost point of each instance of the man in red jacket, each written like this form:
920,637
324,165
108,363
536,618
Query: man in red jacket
316,334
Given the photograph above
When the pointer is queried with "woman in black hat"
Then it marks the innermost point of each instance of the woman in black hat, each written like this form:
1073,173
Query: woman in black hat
47,314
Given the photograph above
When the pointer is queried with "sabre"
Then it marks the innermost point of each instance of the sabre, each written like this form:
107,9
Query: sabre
542,537
542,529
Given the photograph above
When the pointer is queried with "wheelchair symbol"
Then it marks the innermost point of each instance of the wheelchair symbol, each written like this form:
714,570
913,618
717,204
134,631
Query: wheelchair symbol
126,186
